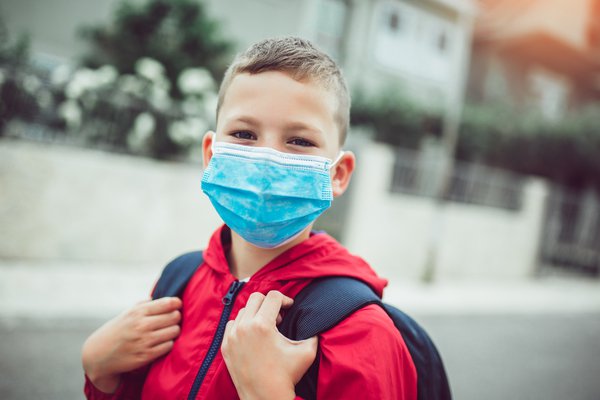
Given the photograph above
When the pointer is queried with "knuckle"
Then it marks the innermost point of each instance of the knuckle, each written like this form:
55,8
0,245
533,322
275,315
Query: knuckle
176,330
135,311
260,326
176,316
275,294
174,302
256,296
142,325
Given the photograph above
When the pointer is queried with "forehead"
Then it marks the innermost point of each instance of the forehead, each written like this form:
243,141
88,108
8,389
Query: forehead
275,95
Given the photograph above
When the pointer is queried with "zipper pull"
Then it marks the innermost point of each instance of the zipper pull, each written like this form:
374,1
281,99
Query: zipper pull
233,289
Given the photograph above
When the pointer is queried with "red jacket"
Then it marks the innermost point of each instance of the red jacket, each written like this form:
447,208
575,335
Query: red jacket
363,357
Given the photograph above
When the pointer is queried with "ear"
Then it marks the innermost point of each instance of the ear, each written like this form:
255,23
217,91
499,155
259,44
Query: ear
207,140
342,172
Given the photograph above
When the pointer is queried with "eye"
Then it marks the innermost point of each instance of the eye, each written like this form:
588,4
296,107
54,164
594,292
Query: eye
245,135
301,142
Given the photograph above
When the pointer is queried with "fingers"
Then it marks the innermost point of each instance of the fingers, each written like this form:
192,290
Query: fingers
252,305
271,305
160,349
162,306
304,353
310,344
261,309
155,322
164,335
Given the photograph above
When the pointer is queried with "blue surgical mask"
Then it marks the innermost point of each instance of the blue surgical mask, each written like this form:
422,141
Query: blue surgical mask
266,196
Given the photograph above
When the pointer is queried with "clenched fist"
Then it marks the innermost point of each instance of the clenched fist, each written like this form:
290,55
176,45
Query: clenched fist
131,340
263,363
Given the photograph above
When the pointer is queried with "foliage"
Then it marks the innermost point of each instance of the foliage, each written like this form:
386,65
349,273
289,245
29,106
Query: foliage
147,86
134,112
394,119
16,86
177,33
566,151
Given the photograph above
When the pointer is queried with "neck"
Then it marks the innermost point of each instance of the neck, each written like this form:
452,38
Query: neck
246,259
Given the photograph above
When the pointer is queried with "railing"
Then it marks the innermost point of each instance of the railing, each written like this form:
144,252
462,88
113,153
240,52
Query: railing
469,183
571,233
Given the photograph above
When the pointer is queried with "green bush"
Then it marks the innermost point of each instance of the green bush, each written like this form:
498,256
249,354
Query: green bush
177,33
565,151
394,119
16,86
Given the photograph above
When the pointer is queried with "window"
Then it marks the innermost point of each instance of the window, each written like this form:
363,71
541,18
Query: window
395,21
413,40
550,93
442,41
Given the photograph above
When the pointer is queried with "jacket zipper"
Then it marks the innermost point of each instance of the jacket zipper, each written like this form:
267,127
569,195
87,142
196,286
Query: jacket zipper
217,339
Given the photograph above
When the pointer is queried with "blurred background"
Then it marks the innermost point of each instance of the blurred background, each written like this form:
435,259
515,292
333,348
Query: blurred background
476,126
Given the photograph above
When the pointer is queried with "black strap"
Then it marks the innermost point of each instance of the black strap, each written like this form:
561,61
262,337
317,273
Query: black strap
319,307
176,275
432,382
326,302
323,304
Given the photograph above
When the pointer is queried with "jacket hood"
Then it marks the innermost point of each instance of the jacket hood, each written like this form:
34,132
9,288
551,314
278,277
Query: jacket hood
318,256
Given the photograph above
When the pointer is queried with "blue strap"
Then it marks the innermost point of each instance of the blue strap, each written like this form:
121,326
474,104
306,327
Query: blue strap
432,382
176,275
323,304
319,307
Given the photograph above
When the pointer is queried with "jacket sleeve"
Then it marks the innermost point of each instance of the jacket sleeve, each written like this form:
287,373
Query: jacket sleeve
130,387
365,357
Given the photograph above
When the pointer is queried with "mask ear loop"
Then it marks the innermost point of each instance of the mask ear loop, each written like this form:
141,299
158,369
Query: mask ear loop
338,158
212,144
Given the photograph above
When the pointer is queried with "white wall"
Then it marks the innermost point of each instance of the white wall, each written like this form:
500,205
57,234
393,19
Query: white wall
61,203
393,231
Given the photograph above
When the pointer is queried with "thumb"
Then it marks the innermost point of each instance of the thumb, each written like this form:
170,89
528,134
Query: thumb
303,353
306,350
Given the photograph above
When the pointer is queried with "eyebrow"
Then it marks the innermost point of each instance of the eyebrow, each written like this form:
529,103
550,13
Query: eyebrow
292,126
247,119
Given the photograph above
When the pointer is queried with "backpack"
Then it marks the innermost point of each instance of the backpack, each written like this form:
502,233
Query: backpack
320,306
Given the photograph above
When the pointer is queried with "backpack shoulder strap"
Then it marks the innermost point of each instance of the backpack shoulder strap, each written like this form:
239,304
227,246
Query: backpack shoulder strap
176,275
319,307
323,304
326,302
432,382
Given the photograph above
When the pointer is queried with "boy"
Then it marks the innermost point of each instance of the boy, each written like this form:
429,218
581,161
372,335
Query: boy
273,165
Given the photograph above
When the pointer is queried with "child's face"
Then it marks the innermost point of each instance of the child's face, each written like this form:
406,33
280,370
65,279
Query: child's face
271,109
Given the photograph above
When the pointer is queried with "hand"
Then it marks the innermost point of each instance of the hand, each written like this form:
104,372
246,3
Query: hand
131,340
263,363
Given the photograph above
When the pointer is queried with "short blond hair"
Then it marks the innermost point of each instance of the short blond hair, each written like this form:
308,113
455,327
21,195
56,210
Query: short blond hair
301,60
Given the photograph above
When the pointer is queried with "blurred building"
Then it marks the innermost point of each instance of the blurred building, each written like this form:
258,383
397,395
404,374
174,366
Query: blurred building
418,47
543,54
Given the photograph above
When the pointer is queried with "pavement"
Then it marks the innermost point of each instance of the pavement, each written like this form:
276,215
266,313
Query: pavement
530,340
